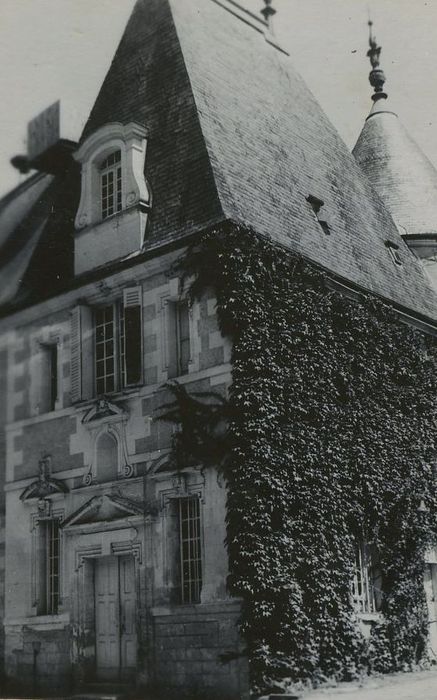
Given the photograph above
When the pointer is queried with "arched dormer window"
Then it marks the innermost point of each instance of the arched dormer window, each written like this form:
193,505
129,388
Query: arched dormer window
113,184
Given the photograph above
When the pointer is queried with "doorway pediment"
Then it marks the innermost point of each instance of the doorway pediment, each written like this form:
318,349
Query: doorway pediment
104,508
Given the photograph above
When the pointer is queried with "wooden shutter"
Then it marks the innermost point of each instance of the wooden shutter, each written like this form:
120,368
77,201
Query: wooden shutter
132,302
81,360
76,356
183,336
171,347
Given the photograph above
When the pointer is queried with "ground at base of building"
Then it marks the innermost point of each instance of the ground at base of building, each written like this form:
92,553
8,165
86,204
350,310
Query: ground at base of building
420,685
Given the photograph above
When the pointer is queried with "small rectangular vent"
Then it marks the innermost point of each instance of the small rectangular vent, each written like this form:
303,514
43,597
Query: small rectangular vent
393,249
316,205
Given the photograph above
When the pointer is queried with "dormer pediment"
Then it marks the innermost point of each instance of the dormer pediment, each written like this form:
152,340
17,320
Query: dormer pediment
104,508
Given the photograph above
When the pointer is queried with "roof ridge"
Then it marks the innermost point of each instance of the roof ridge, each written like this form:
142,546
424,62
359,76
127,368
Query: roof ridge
242,13
249,18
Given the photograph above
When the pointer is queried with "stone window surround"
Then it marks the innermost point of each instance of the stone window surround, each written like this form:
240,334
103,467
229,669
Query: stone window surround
183,485
131,140
35,517
84,340
174,294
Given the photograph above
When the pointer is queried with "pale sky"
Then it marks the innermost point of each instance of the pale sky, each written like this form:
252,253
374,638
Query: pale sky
61,49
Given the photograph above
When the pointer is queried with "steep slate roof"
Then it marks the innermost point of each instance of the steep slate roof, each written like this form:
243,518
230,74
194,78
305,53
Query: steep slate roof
148,83
201,72
36,246
234,133
399,171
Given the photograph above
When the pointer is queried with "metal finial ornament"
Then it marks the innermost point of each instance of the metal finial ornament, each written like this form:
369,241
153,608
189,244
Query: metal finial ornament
268,11
376,75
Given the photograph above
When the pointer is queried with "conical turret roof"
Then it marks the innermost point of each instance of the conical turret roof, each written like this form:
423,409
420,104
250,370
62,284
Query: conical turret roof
403,176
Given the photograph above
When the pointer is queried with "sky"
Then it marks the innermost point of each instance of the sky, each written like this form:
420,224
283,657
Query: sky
61,49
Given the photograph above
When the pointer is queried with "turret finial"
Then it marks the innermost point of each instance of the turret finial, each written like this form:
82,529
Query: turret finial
268,11
376,75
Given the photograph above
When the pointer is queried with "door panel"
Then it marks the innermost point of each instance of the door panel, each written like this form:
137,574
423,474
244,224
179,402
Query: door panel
128,613
430,583
107,613
115,601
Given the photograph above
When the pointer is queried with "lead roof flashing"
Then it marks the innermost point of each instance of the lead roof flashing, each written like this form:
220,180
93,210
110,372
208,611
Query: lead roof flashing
260,25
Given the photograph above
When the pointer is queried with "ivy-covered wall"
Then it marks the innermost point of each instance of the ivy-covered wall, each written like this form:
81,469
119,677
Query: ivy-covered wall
330,439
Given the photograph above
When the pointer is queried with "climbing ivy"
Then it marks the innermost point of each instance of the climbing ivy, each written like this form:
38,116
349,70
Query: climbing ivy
330,438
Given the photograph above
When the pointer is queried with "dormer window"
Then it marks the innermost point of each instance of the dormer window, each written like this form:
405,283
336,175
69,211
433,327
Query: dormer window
111,221
111,184
393,249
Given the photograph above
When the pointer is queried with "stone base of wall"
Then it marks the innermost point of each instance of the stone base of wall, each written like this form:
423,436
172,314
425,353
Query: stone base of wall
38,661
198,652
194,652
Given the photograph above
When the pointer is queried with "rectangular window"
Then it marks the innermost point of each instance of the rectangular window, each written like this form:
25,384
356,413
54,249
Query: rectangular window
53,350
105,349
190,549
48,566
179,338
49,393
366,583
111,185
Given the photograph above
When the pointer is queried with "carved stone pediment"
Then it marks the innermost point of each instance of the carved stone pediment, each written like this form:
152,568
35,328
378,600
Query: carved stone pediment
104,508
45,485
103,409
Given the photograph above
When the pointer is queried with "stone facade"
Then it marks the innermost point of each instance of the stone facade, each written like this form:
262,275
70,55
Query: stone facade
113,508
115,562
3,375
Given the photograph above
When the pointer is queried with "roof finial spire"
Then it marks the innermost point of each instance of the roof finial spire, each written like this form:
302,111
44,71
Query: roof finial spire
268,11
376,75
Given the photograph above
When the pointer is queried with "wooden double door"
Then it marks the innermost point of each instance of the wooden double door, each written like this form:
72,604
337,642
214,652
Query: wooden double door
115,617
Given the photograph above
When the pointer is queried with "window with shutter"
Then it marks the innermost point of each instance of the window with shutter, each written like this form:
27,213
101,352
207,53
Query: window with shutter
118,343
106,346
